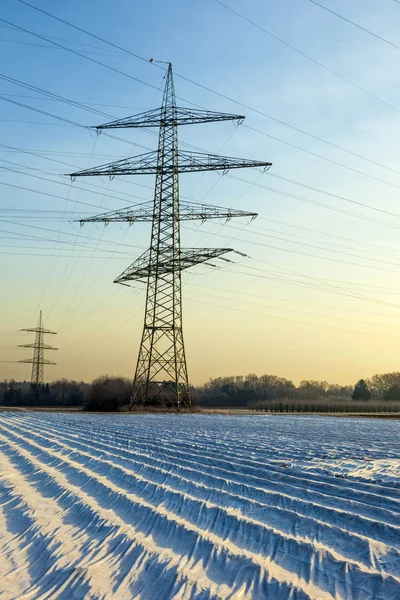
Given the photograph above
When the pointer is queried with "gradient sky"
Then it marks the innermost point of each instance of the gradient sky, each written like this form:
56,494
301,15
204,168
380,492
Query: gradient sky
319,295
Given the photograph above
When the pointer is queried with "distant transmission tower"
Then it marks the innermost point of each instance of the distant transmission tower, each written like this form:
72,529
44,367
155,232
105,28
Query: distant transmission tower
39,347
161,372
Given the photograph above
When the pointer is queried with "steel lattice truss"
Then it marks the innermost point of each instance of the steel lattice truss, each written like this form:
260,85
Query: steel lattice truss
158,117
145,266
38,346
161,372
188,211
186,162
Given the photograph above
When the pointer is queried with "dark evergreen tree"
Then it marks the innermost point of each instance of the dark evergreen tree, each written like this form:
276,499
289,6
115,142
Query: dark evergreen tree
361,391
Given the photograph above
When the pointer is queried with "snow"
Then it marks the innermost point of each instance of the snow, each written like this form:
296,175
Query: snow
197,507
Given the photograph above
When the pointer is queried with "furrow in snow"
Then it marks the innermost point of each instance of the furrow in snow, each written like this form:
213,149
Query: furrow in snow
353,517
367,552
162,521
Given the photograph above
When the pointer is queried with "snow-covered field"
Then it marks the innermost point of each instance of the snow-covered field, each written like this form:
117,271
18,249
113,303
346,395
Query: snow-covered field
199,507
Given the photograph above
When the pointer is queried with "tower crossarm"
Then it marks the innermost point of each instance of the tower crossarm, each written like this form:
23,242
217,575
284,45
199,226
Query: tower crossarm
142,268
44,346
189,211
138,213
142,164
198,161
196,211
37,362
188,162
167,118
40,330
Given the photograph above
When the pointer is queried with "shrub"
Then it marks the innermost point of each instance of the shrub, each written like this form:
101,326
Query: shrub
107,394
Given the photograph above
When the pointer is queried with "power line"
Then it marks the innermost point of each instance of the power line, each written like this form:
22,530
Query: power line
280,299
72,102
119,106
95,281
327,281
55,231
101,344
319,284
45,152
255,183
319,281
42,239
275,190
97,37
21,187
328,234
312,314
363,333
224,96
129,245
259,185
74,43
317,256
53,48
72,234
26,122
65,279
48,255
86,32
317,203
313,283
53,96
280,191
55,182
70,313
307,56
43,112
252,183
104,256
69,121
63,163
268,231
338,196
98,275
89,314
331,160
375,35
93,60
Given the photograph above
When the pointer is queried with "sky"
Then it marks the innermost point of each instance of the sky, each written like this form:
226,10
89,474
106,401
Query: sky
317,295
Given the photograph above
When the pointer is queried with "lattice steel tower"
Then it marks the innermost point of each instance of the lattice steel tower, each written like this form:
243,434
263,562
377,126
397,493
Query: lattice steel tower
39,347
161,372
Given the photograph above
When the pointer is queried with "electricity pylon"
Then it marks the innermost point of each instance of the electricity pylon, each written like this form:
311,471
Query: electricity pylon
161,372
39,347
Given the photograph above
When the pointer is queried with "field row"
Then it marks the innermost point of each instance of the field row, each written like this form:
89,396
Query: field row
201,507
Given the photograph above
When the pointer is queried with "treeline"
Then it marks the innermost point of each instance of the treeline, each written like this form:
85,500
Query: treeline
325,407
60,393
381,393
270,392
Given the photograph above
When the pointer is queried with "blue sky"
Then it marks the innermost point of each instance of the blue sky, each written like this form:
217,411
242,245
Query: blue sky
311,306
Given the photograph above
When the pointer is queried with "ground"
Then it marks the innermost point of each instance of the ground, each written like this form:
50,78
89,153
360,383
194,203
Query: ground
156,507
